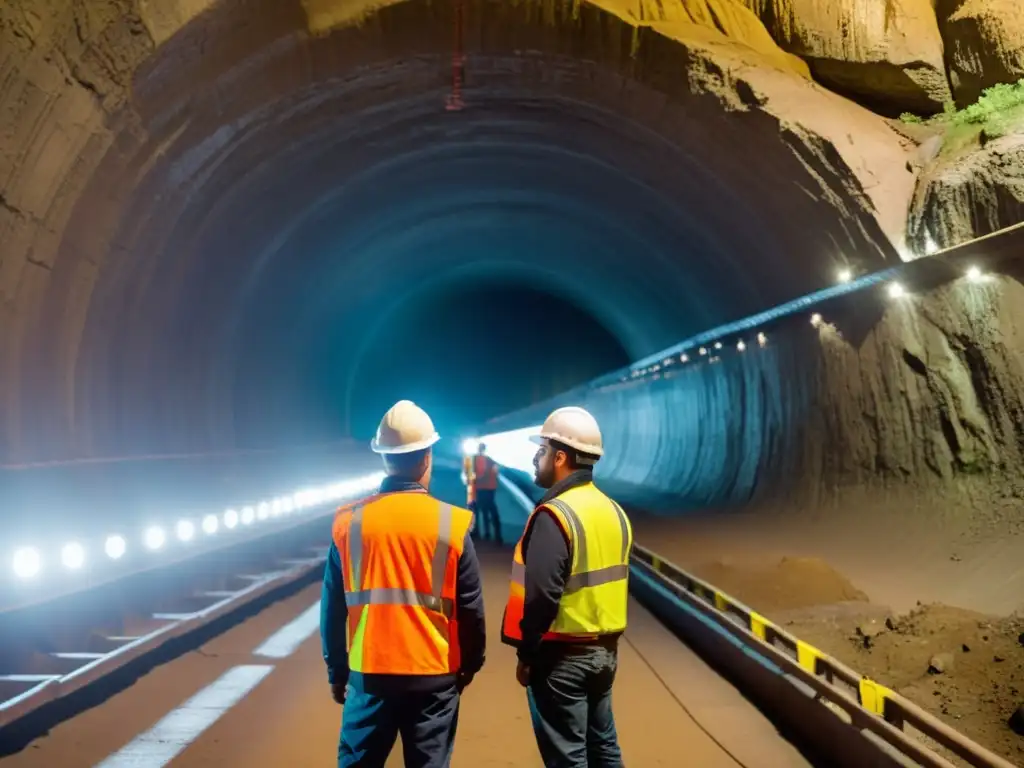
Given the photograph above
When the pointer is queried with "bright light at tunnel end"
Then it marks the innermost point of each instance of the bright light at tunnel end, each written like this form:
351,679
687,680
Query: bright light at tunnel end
511,449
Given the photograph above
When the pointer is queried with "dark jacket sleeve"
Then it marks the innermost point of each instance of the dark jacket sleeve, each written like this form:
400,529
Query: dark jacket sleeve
546,554
333,613
469,609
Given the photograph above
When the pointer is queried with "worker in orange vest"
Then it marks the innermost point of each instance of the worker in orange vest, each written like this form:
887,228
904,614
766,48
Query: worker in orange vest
402,613
482,485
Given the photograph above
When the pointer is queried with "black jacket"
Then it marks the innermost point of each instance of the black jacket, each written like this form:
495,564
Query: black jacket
548,562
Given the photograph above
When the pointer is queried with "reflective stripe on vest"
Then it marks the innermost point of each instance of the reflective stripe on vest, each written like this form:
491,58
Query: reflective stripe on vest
400,607
397,596
596,593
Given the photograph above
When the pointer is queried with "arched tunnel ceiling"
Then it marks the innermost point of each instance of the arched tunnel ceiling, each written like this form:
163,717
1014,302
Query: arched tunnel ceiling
262,184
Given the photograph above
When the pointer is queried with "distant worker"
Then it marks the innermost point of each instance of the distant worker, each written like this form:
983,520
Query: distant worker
482,485
568,597
401,576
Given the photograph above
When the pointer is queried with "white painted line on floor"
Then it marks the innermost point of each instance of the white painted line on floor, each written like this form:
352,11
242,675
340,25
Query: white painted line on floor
289,637
76,655
164,741
27,678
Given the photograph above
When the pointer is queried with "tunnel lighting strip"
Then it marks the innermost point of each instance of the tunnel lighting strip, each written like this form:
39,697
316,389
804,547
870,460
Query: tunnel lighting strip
683,352
28,562
708,347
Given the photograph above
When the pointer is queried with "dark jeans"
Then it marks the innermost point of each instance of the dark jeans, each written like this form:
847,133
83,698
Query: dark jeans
487,509
570,696
370,724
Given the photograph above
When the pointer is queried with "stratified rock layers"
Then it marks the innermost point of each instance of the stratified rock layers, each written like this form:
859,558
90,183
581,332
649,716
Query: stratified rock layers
888,54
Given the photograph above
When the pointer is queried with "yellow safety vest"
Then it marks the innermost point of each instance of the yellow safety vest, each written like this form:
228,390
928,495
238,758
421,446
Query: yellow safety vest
596,594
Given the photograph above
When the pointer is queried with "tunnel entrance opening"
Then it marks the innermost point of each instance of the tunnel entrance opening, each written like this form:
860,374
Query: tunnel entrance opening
467,352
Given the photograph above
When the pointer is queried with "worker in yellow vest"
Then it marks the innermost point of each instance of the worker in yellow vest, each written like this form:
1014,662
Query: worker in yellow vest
568,598
402,612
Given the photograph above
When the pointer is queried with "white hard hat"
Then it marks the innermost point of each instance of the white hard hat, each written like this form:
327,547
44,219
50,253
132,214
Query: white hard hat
574,427
405,428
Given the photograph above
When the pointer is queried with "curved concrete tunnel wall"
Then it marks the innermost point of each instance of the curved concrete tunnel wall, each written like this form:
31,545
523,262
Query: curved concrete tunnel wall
882,395
134,213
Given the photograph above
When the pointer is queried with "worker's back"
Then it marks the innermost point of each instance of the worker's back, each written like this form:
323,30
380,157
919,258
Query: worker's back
399,560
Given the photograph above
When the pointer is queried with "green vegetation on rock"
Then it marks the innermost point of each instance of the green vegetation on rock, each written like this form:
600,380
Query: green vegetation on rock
994,114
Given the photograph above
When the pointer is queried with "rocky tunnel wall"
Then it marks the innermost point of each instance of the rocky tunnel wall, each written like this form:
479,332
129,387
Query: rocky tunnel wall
910,394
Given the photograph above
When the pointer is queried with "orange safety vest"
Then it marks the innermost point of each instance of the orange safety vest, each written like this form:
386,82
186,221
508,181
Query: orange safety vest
485,473
399,559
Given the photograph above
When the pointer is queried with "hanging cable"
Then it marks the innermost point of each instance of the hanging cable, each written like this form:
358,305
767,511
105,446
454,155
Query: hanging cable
454,102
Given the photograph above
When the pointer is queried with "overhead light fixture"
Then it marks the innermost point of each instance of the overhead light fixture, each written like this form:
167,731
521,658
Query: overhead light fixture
154,537
73,556
741,345
684,358
845,275
115,547
186,530
210,524
816,319
702,351
230,519
974,274
26,563
762,339
896,290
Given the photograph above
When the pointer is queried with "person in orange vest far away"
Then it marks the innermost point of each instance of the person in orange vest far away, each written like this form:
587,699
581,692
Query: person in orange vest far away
483,480
402,611
568,596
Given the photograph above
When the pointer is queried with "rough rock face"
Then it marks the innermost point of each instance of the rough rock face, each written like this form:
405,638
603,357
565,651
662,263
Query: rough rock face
969,195
923,393
885,54
858,162
728,17
984,42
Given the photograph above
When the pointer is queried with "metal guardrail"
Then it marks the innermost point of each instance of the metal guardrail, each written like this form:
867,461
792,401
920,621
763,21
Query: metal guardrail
865,703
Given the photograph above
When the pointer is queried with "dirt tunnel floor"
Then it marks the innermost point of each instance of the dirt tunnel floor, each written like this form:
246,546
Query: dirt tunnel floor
879,609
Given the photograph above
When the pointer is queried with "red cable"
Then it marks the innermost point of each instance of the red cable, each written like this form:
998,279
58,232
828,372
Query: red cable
454,102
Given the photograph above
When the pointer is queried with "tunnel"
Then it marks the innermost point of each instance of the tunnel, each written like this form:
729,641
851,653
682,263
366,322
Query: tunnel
234,232
275,195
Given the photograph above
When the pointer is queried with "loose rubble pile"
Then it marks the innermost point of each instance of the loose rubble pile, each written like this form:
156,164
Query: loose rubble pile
962,666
